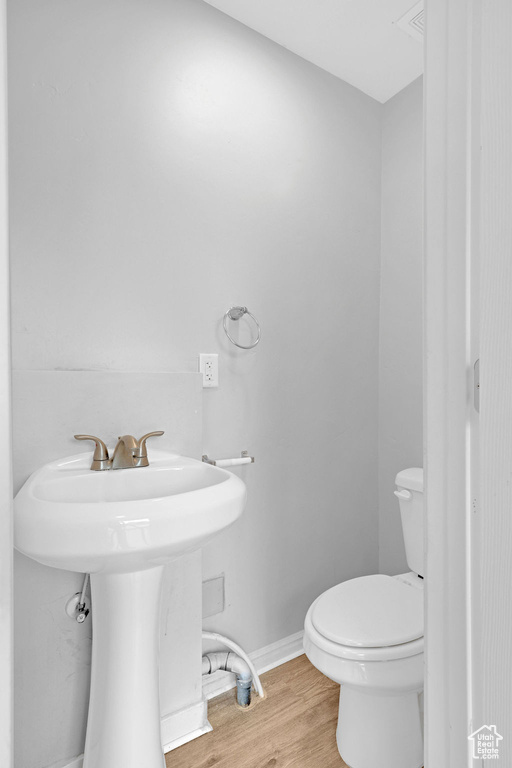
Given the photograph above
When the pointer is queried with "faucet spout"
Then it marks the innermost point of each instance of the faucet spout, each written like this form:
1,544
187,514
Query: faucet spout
124,456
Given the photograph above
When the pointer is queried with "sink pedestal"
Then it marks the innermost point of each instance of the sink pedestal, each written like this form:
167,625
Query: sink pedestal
123,727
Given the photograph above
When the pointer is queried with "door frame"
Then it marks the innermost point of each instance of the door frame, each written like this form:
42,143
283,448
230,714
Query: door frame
450,350
6,643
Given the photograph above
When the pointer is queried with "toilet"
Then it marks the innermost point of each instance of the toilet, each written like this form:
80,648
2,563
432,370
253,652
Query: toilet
367,635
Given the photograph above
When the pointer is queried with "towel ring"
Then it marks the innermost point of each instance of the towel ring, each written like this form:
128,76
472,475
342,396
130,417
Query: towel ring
235,313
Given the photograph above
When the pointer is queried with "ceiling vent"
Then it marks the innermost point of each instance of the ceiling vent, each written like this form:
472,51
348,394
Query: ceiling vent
413,22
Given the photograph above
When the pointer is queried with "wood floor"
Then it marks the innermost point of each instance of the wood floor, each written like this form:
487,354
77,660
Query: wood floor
293,727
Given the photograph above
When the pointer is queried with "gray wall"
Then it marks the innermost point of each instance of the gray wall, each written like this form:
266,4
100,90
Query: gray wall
400,353
166,163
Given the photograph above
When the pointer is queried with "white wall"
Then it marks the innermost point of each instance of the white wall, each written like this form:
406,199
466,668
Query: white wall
166,163
401,317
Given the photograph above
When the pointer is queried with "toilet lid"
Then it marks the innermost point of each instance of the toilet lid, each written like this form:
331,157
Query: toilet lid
370,612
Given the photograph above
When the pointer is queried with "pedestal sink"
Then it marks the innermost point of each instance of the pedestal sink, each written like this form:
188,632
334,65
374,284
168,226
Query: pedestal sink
122,527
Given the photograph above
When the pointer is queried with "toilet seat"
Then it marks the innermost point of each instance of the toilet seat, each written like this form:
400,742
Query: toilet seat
386,653
371,618
370,612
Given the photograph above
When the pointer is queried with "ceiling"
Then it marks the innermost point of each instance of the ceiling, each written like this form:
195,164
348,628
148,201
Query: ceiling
356,40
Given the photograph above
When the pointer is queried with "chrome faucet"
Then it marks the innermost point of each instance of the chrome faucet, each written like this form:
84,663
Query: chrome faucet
128,453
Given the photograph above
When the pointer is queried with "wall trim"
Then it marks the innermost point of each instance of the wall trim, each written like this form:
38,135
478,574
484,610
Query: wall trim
76,762
195,717
179,727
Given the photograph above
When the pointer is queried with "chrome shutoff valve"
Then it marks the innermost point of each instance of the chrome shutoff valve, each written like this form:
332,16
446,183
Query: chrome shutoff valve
82,614
77,610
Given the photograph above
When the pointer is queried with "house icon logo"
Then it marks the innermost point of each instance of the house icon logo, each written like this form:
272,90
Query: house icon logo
486,743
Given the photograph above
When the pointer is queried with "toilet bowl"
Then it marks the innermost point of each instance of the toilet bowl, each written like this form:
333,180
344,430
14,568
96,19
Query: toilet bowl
367,635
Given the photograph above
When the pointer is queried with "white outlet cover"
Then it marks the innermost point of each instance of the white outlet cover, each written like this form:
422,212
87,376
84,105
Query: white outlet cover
209,367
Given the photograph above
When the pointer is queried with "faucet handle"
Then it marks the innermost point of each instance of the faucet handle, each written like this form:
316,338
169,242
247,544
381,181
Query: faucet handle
142,452
100,459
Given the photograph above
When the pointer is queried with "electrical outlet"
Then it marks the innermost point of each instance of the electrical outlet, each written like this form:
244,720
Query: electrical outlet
209,367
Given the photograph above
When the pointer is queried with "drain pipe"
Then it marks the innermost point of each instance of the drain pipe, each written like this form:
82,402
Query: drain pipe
230,662
237,662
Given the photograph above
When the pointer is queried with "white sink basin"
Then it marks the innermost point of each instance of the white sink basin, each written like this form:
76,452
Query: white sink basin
122,526
70,517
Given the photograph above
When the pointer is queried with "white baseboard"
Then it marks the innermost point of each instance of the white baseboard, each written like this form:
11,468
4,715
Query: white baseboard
195,718
278,653
188,737
76,762
185,725
266,658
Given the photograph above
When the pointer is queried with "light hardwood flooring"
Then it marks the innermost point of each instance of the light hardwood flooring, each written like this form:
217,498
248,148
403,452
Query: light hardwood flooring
293,727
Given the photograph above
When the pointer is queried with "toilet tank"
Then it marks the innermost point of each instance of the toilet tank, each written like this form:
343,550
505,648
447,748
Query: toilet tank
409,491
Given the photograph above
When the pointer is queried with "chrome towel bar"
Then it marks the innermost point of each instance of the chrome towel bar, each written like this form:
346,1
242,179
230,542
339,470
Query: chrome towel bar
244,459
